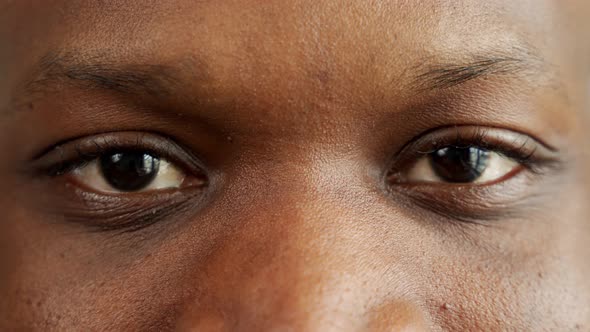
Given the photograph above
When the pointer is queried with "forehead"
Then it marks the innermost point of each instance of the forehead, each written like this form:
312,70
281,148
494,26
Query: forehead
340,57
286,33
350,43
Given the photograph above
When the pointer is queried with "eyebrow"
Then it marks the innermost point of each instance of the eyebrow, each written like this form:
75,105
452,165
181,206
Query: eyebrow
447,75
147,79
159,80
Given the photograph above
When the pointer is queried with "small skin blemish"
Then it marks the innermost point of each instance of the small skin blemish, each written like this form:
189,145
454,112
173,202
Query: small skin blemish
323,76
446,307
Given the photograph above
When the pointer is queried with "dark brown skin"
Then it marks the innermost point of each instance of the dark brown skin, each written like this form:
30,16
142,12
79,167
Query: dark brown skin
299,214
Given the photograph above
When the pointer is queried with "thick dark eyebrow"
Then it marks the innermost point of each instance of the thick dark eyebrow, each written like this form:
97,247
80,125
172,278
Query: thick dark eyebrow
142,79
447,75
158,80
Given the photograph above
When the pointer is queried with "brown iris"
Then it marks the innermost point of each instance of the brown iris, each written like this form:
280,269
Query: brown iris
129,171
459,164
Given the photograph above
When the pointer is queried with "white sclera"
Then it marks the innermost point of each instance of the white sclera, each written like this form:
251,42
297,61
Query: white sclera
497,167
168,176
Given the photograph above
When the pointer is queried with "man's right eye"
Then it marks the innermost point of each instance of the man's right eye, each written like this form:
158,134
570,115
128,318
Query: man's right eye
131,171
126,163
122,180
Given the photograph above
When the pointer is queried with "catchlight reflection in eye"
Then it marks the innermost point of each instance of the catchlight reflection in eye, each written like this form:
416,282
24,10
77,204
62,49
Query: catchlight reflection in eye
129,172
461,165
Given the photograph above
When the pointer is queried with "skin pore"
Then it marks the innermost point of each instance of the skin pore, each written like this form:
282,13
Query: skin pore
297,196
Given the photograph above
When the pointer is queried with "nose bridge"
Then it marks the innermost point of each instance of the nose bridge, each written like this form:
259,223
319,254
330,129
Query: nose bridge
305,260
306,276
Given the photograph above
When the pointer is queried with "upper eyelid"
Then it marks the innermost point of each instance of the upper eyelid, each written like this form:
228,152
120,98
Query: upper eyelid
507,152
483,132
523,148
483,136
76,152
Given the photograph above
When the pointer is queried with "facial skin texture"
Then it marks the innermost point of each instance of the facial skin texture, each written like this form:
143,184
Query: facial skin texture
296,110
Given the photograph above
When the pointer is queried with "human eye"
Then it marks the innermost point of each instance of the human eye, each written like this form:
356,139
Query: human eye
462,164
125,171
122,180
470,171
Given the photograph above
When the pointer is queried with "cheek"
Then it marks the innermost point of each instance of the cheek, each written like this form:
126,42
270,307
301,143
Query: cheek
276,252
26,271
529,300
531,293
476,296
51,280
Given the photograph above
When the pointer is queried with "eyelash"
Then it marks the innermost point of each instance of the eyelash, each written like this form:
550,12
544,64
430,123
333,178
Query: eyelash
68,158
478,140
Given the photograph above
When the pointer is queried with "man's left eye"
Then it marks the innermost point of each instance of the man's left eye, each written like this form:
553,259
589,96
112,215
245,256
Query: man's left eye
461,165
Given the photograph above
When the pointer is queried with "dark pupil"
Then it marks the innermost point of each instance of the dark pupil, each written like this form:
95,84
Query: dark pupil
129,171
459,164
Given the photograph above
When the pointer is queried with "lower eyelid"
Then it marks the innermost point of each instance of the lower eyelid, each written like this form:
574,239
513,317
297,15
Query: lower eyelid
73,203
119,213
473,203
